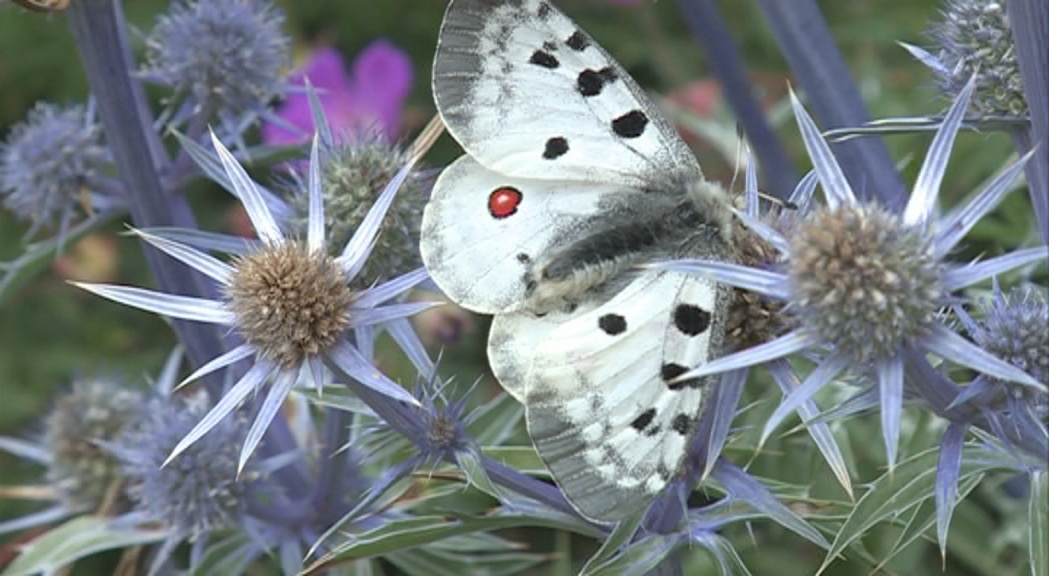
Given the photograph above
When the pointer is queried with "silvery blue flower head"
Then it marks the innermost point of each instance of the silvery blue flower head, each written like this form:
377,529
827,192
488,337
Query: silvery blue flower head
194,494
206,490
354,172
225,56
293,303
1013,326
81,475
97,409
974,38
866,284
50,163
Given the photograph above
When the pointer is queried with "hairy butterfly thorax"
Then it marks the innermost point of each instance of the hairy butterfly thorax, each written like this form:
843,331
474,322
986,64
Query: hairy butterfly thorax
685,219
571,180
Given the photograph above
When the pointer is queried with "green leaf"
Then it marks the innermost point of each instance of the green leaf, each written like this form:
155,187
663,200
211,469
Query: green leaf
911,483
922,519
470,463
339,398
620,535
76,539
398,535
228,555
1038,519
638,558
429,562
493,423
524,459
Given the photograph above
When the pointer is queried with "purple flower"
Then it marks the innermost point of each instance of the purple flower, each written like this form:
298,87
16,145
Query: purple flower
368,97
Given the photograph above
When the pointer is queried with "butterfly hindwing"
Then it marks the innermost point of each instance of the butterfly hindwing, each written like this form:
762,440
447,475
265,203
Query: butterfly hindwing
601,406
529,94
513,340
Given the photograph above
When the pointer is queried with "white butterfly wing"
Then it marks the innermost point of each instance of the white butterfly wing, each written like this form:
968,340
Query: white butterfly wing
529,94
513,340
600,407
482,231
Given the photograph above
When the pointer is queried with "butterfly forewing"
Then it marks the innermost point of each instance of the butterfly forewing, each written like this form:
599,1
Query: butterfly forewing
483,232
529,94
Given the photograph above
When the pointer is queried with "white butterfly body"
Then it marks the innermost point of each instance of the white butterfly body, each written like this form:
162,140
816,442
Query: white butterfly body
571,179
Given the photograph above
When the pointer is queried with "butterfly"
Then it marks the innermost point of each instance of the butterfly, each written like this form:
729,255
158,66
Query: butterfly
570,180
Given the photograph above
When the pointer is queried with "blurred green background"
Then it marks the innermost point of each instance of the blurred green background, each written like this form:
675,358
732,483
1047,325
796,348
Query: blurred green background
51,332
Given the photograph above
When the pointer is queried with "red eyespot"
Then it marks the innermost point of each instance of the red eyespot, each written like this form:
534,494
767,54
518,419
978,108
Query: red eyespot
503,202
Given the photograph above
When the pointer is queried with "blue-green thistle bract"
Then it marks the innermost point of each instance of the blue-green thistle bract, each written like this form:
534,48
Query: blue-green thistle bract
355,170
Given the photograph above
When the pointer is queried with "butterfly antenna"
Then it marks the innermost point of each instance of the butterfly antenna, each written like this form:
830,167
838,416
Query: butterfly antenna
741,149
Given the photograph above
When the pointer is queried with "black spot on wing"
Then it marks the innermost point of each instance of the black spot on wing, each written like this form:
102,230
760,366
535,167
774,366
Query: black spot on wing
665,473
544,11
612,324
555,148
682,424
577,41
630,125
691,320
592,82
544,59
643,420
670,370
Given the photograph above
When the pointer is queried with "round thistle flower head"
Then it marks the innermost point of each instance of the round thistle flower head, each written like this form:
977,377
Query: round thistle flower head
1015,328
974,38
864,279
443,430
354,173
291,303
48,161
94,411
227,54
198,492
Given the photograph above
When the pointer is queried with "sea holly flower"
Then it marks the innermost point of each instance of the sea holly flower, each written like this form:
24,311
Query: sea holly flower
974,39
206,490
365,100
1013,326
224,57
354,173
866,285
290,301
51,167
81,475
